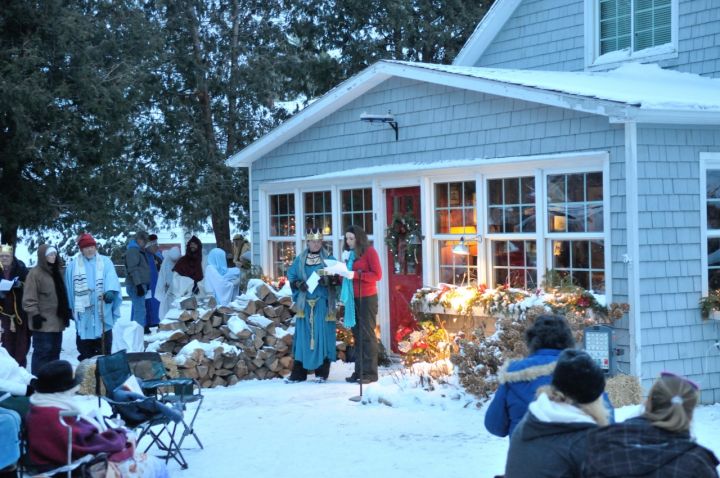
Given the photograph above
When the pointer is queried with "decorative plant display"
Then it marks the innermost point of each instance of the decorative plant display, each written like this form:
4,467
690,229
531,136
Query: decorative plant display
710,304
430,343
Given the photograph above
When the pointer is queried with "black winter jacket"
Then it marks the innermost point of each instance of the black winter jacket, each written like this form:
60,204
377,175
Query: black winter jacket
546,449
636,448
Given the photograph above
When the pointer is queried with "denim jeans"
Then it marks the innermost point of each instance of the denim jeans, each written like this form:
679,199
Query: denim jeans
46,348
138,305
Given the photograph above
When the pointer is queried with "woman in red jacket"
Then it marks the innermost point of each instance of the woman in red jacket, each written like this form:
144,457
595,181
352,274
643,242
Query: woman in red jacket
360,288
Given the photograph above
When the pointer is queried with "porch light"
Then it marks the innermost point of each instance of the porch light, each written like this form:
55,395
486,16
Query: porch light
381,118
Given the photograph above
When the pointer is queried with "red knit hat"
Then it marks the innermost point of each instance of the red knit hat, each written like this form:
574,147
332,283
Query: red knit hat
86,240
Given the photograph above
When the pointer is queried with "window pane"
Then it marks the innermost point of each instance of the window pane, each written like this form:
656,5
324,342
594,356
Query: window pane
577,214
495,191
455,208
556,188
713,184
282,215
512,193
528,190
571,258
512,219
514,264
456,194
441,195
597,254
356,208
495,219
453,267
442,221
283,254
576,187
528,219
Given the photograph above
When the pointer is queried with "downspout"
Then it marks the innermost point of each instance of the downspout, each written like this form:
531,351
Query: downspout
632,257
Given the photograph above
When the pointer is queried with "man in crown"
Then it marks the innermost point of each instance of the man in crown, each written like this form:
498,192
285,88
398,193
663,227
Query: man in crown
13,319
93,289
314,294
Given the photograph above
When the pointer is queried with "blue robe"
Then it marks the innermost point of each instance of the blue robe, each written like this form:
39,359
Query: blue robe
87,321
314,339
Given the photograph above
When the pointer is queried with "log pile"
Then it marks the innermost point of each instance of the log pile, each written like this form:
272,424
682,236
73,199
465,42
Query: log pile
219,346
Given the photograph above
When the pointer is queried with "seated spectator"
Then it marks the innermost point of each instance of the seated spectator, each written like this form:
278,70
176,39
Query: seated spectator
15,382
550,440
221,281
657,443
9,442
48,439
520,379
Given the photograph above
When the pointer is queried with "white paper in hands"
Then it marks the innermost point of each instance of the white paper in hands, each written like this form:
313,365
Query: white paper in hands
336,267
313,282
6,285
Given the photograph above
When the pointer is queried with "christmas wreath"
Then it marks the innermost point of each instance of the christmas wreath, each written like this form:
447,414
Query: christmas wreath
403,235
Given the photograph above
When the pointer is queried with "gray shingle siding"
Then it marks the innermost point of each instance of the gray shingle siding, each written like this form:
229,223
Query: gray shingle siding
550,35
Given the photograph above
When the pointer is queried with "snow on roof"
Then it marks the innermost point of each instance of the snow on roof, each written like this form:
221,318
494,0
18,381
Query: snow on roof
645,86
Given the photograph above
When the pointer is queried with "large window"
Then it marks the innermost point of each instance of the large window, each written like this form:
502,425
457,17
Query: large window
282,232
455,220
512,224
356,208
631,28
318,211
712,198
575,226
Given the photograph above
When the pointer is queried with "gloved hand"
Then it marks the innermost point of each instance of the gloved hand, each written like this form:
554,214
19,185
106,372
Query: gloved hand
345,256
140,290
109,297
16,283
300,285
37,321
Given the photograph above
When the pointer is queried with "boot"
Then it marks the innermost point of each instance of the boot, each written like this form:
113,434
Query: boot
298,374
323,372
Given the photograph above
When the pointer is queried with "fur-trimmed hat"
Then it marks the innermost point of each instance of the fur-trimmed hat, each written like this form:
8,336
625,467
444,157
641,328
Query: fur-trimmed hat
578,376
56,376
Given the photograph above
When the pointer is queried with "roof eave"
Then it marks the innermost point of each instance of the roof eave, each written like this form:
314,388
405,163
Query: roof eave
668,116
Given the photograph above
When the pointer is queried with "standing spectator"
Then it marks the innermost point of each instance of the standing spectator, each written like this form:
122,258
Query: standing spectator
314,340
152,304
46,303
163,291
13,319
137,280
658,442
190,266
220,280
550,441
520,379
359,295
94,296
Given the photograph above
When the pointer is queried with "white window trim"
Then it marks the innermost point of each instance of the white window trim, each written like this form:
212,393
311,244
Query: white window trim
708,161
593,59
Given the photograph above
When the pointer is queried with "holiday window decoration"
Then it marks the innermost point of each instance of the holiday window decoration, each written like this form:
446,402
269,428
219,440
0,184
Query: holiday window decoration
403,238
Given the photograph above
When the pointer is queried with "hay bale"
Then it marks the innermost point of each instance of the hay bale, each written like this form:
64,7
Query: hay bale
86,372
624,390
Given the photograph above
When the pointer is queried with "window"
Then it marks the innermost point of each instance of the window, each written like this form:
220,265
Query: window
712,198
318,212
575,224
455,219
511,229
356,208
630,28
282,232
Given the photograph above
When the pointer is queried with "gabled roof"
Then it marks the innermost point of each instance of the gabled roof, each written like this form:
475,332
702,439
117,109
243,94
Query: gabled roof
633,92
486,31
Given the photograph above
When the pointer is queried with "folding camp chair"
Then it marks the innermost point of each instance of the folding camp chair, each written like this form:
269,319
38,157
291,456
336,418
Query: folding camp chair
178,392
140,415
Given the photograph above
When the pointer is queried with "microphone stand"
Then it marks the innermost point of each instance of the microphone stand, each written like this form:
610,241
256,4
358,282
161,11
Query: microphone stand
359,356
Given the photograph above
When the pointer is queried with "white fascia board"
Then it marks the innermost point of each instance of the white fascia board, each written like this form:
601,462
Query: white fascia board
335,99
664,116
485,32
509,90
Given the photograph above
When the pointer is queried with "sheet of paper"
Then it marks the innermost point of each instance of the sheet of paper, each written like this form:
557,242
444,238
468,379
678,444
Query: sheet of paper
5,285
336,268
313,282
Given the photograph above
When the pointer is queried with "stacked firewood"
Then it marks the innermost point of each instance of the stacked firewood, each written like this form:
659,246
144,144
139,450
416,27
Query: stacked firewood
218,346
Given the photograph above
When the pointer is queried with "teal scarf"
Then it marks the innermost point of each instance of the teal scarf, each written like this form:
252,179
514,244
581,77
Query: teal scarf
347,295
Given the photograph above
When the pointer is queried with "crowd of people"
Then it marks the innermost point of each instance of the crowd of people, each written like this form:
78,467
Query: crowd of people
553,406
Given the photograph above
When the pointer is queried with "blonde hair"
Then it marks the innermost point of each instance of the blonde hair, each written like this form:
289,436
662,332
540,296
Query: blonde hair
595,409
670,404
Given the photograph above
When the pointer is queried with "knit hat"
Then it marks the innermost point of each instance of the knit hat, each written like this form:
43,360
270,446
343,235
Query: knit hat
578,376
86,240
56,376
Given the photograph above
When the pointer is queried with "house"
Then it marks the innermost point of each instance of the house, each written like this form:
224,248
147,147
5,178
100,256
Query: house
576,135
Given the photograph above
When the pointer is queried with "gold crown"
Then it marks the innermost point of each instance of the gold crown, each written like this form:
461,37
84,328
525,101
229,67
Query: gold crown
6,248
314,235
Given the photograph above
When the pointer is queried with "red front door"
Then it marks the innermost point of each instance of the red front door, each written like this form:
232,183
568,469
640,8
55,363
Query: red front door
404,261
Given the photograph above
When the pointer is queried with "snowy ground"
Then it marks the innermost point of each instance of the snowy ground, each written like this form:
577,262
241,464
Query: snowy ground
270,429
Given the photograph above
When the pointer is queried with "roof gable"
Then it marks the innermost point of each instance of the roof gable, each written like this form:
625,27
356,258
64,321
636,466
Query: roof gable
485,32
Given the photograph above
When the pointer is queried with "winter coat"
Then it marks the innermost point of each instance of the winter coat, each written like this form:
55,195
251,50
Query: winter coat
636,448
549,442
11,301
41,296
519,381
368,272
14,379
136,266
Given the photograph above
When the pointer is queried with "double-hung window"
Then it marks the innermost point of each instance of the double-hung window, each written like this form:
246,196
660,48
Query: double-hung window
712,208
455,220
356,208
318,215
627,29
575,225
282,232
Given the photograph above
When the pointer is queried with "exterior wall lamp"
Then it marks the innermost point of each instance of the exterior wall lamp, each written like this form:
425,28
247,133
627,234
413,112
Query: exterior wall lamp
387,118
